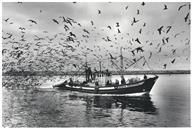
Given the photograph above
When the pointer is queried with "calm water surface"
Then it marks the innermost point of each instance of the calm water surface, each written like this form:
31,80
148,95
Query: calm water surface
30,101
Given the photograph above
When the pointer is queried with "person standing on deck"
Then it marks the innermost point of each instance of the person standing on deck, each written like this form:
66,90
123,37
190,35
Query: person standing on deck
86,74
108,77
89,74
95,73
145,77
123,80
71,82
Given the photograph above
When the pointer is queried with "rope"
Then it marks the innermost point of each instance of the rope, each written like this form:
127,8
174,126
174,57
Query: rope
78,71
117,67
114,64
150,67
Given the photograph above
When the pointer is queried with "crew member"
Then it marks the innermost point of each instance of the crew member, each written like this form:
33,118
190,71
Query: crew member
108,73
123,80
95,73
89,74
86,74
117,82
71,82
107,78
145,77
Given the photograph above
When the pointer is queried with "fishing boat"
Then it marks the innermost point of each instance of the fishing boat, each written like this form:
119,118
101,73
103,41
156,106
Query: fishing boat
100,82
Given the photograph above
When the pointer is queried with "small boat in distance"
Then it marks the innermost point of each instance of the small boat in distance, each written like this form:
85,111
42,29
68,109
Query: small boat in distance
100,82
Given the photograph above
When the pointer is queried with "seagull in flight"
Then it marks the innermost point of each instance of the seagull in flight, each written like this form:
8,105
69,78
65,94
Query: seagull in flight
109,27
143,3
181,7
134,21
137,40
126,7
186,17
99,11
173,61
165,7
54,20
6,20
32,21
92,23
160,29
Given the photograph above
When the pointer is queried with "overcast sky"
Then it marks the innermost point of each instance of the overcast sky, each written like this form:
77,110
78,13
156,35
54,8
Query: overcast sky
153,15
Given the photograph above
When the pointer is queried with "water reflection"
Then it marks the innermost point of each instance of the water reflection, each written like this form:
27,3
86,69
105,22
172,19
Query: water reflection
132,103
140,104
169,105
118,110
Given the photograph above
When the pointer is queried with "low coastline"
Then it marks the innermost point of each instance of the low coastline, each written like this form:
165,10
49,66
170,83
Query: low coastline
52,73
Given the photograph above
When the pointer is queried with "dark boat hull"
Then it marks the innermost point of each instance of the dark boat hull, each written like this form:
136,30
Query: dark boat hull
138,87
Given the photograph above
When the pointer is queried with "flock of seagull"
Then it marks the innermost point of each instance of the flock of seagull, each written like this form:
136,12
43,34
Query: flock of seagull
67,48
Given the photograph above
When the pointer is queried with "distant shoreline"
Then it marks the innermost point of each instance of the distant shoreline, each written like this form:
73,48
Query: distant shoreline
51,73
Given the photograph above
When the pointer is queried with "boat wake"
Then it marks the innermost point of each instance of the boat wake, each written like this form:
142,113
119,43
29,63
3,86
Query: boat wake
50,83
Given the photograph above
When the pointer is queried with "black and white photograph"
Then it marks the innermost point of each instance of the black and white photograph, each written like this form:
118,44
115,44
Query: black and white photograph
96,64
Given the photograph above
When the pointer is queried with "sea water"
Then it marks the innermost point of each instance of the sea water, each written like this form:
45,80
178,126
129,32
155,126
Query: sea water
32,102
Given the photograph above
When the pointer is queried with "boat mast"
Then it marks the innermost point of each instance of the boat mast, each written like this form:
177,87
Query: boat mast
121,57
86,65
100,66
86,61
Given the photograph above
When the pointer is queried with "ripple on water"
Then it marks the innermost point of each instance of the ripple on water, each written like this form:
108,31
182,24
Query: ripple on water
32,106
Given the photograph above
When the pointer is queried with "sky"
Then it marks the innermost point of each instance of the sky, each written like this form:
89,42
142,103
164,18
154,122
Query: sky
100,30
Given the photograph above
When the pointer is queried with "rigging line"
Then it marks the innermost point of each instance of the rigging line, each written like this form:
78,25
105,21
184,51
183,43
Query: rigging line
147,64
97,60
107,59
150,67
77,71
128,59
139,66
131,64
135,62
113,63
119,72
84,66
89,63
136,65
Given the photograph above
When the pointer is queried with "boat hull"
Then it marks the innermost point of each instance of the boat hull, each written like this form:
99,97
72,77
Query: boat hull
141,86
